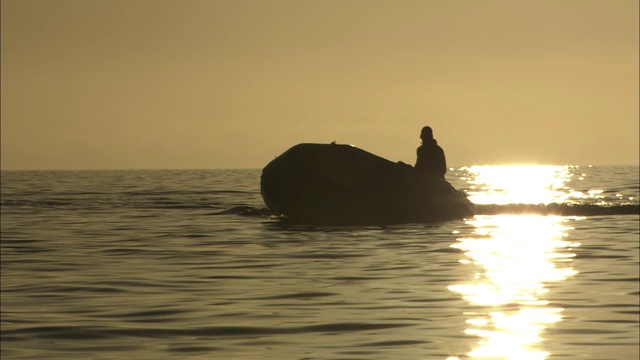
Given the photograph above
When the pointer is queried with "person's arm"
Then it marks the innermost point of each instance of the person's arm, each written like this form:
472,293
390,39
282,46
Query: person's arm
443,163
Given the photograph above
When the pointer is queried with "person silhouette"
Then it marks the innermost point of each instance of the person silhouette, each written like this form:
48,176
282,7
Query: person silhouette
430,156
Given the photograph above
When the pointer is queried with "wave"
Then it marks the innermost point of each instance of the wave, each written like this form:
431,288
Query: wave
69,200
104,333
207,203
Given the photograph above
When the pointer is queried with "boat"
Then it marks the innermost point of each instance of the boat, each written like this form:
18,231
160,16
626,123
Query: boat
339,184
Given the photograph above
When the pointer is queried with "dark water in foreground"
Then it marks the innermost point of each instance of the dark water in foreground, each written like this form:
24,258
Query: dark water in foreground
161,265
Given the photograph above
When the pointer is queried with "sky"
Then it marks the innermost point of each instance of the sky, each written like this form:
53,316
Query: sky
207,84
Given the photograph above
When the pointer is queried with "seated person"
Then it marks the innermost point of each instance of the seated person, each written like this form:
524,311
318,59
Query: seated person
430,157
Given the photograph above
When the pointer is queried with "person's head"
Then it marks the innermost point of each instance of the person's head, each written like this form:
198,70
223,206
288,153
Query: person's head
426,133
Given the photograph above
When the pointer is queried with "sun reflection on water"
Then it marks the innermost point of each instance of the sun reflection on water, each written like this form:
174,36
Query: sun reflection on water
518,184
512,259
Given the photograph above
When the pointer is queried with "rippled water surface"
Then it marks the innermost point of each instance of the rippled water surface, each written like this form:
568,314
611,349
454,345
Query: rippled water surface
186,264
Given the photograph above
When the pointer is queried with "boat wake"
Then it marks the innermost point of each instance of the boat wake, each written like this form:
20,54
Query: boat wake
499,209
558,209
245,211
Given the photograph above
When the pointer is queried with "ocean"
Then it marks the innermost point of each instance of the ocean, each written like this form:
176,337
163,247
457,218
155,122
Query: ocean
188,264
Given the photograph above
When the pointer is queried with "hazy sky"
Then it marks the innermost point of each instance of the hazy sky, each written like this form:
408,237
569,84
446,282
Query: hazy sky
97,84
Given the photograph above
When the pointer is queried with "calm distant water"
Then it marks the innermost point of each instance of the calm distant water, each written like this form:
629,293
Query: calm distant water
164,265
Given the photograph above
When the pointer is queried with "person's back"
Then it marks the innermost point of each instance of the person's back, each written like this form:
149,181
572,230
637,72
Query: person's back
430,157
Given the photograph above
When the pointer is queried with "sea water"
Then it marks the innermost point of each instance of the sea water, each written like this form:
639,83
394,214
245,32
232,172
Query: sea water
188,264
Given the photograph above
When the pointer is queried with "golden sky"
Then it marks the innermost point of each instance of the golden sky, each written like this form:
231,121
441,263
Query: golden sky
99,84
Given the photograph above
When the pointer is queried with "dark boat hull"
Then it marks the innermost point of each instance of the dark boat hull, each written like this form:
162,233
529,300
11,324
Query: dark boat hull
342,184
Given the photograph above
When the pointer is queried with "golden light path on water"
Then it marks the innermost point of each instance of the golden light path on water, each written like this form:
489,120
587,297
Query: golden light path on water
511,259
